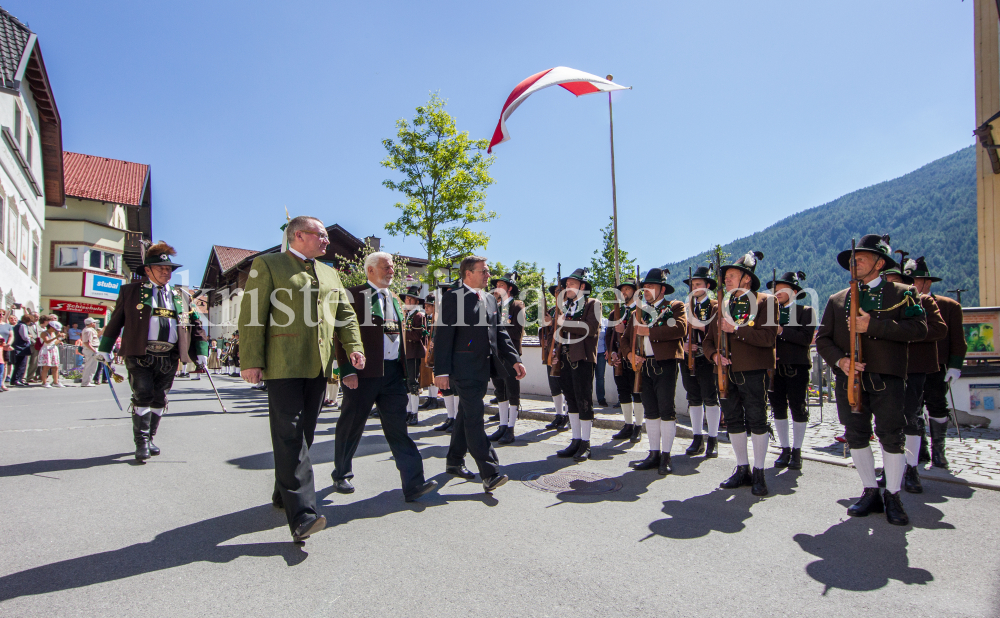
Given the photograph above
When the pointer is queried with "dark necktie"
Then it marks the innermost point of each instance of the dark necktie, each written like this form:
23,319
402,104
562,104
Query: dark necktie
164,322
388,314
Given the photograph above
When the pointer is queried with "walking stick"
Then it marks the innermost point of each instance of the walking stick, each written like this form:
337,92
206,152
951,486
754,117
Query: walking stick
954,413
212,382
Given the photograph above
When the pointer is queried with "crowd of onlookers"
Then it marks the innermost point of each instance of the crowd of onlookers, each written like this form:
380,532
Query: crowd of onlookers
34,347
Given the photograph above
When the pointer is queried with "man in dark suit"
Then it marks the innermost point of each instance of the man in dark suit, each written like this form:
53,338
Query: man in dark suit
383,383
469,348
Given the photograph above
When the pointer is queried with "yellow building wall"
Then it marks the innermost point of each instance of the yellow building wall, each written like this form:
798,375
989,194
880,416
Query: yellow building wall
987,52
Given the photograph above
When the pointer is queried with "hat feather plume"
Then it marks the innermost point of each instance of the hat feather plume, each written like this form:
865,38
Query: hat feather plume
801,275
160,248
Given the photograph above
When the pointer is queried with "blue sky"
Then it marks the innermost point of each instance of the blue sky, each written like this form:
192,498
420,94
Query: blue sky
741,114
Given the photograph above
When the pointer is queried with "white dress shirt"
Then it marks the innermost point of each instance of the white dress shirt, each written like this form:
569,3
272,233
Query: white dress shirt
646,343
390,348
154,322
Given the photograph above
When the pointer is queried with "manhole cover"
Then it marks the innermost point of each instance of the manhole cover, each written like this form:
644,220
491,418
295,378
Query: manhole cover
579,482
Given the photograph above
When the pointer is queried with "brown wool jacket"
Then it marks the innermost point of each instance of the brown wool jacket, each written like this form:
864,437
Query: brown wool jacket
666,338
699,335
951,350
923,354
792,345
751,347
512,320
884,346
415,340
579,336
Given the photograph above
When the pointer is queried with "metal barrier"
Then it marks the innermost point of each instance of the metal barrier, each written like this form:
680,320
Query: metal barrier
67,358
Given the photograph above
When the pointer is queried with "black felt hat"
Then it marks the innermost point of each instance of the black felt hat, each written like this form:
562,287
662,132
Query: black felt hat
659,276
629,282
872,243
705,274
414,292
582,275
918,269
747,265
902,276
511,280
793,280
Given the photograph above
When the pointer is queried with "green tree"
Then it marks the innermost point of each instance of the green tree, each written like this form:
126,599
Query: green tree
352,271
445,176
602,267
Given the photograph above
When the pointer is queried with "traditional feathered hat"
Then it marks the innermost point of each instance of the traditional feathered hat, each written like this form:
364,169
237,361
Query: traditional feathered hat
159,255
747,265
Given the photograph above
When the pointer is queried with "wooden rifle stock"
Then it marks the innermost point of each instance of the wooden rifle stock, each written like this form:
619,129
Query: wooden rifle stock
616,316
853,383
723,339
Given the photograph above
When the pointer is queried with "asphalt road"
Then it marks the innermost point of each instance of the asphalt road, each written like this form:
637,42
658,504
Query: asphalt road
85,532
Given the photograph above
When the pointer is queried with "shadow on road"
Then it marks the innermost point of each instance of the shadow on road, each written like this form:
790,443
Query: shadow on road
62,465
197,542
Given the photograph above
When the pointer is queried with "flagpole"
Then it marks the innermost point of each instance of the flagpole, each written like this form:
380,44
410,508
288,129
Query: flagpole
614,188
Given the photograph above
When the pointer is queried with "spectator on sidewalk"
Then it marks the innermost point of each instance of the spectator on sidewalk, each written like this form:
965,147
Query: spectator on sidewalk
7,323
48,356
89,340
73,333
35,329
22,346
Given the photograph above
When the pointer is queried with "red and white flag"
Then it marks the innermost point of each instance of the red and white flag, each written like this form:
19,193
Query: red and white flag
577,82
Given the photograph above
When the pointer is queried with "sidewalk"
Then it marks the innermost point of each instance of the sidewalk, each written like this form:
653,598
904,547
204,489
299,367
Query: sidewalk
974,461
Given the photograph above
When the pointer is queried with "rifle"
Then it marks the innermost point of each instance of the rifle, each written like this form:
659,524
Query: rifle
637,343
774,290
853,384
553,357
616,316
690,327
723,339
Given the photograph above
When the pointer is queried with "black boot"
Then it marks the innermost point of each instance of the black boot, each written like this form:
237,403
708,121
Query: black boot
938,433
741,476
563,423
446,425
697,446
583,452
664,468
783,458
924,454
911,481
869,502
430,404
624,433
636,434
557,422
711,447
507,437
496,435
894,512
758,486
140,432
651,462
795,463
154,424
570,450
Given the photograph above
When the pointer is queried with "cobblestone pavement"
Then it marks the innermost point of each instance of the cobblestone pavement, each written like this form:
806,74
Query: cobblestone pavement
974,460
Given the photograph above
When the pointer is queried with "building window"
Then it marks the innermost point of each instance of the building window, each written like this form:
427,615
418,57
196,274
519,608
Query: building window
69,257
34,259
17,123
3,222
111,262
27,147
104,260
11,227
95,258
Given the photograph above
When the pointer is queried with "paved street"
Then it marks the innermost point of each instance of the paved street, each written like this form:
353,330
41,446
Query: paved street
86,532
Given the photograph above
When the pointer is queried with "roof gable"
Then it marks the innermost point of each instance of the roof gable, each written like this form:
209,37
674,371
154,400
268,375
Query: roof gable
13,40
106,180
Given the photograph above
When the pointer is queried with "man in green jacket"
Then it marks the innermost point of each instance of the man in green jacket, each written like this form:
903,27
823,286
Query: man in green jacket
293,309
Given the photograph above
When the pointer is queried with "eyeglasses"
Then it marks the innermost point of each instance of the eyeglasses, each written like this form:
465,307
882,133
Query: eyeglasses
485,271
316,234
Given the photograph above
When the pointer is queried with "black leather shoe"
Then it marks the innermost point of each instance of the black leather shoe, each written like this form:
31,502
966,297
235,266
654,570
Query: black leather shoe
741,476
343,486
507,437
493,401
570,450
460,471
636,434
412,419
496,435
423,490
310,525
446,425
624,433
555,422
711,447
783,458
869,502
894,513
697,446
923,454
430,404
911,481
602,403
795,463
651,462
616,405
495,417
664,468
583,452
493,482
758,486
451,426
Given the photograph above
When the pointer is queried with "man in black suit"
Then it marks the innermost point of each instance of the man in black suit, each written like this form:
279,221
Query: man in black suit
469,348
385,383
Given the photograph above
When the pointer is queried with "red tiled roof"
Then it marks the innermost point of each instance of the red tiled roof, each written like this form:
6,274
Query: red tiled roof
229,257
107,180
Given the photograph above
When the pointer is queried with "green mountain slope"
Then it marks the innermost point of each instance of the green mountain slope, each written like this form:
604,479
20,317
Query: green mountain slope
929,212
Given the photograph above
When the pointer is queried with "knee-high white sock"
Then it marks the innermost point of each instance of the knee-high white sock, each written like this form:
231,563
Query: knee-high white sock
893,463
627,411
864,462
557,403
637,413
512,415
714,416
157,411
940,420
760,448
432,391
798,433
739,442
574,425
781,428
912,446
585,429
668,429
504,409
414,403
653,431
697,419
449,406
141,411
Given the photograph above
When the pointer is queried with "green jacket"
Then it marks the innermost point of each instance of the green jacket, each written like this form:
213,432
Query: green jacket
289,318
